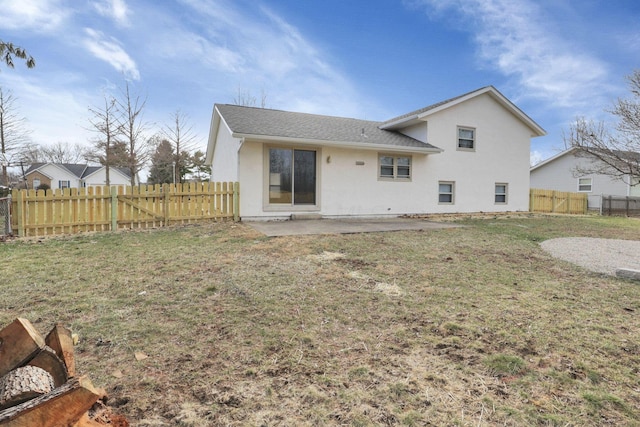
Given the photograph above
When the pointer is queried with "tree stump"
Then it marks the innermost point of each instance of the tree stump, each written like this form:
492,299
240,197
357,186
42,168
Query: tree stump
23,384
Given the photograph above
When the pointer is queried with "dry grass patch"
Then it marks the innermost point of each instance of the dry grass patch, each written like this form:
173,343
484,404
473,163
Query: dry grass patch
467,326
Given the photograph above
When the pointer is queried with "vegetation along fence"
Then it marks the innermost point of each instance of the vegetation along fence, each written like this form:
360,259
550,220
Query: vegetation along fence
5,218
550,201
620,206
39,213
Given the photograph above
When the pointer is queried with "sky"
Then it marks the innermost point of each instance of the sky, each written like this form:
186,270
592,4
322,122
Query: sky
557,60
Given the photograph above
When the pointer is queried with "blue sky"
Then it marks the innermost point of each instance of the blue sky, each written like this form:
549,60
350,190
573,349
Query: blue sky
556,59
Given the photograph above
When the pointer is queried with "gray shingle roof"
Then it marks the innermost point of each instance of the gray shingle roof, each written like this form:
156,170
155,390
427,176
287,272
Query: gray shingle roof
80,170
285,124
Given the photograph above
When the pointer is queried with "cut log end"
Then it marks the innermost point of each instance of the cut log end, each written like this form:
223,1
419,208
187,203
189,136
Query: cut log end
23,384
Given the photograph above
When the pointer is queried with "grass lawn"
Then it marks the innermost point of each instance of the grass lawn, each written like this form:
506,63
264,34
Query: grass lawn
473,326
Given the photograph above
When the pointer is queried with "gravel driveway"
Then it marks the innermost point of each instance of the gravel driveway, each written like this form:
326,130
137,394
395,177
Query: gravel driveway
599,255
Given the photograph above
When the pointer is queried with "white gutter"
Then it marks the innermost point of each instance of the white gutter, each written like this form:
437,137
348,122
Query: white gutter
341,144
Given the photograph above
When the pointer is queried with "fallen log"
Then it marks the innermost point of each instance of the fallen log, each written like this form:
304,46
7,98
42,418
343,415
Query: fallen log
64,406
19,343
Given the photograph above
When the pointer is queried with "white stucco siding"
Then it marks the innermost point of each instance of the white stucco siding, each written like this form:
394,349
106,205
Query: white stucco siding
560,175
501,155
352,188
224,166
250,175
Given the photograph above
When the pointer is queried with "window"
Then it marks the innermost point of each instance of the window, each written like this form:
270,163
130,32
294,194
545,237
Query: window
395,167
64,184
584,184
501,194
292,176
466,138
445,192
36,183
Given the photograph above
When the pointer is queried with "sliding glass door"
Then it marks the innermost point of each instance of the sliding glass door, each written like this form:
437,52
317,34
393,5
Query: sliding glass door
292,176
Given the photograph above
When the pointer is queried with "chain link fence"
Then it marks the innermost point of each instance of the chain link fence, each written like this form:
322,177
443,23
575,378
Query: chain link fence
5,217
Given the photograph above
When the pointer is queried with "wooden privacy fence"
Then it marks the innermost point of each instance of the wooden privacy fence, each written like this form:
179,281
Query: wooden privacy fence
620,206
72,210
551,201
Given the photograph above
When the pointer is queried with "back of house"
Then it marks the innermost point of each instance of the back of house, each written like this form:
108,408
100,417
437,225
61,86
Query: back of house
466,154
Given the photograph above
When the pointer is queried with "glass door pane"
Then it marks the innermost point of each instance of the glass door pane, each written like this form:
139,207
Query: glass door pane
280,163
304,177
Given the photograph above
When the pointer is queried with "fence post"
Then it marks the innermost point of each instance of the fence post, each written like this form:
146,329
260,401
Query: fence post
627,206
531,200
553,202
236,201
20,212
165,203
114,208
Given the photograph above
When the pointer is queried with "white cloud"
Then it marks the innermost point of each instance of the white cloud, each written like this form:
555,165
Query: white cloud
33,15
114,9
516,38
109,49
266,53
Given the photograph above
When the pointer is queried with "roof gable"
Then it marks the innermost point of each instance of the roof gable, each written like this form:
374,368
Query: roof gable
421,114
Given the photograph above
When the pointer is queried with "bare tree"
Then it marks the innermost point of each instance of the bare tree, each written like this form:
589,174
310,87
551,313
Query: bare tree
132,130
63,152
182,138
8,51
105,124
246,99
614,152
13,131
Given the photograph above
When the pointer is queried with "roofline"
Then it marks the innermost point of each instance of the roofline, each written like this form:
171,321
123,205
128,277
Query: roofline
552,158
341,144
492,91
39,171
101,167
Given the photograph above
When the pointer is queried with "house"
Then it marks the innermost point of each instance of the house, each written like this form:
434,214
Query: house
466,154
562,173
72,175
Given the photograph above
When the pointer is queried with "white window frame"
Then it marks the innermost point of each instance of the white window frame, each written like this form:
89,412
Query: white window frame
504,194
452,193
36,183
580,185
473,139
266,176
395,167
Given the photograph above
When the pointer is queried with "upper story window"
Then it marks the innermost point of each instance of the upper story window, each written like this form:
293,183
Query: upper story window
466,138
64,184
394,167
585,184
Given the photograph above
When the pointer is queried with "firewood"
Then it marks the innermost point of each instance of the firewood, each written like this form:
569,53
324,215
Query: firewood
50,362
61,341
64,406
23,384
19,343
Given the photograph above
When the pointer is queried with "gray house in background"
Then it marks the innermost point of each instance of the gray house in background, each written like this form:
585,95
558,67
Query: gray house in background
560,173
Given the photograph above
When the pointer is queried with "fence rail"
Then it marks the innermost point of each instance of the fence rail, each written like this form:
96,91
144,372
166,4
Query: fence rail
551,201
50,212
620,206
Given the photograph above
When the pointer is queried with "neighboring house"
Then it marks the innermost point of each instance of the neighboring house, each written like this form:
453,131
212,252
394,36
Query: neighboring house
71,175
466,154
561,173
